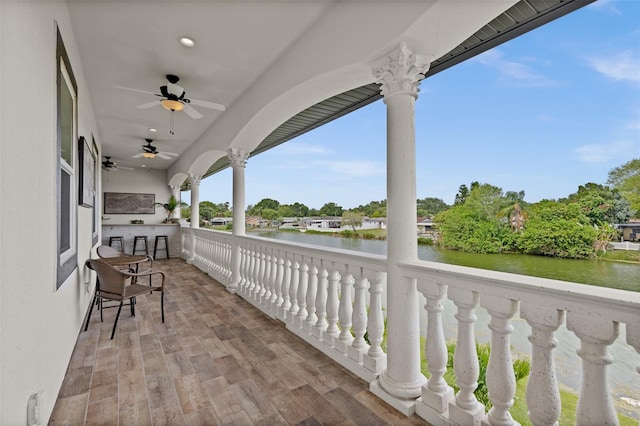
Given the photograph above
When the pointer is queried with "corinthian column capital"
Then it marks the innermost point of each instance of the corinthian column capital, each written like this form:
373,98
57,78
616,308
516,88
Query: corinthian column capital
194,179
238,157
401,71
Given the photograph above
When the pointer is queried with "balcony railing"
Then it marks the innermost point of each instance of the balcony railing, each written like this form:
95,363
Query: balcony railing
334,300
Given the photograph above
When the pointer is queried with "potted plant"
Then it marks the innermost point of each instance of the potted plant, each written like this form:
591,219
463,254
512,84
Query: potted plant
169,207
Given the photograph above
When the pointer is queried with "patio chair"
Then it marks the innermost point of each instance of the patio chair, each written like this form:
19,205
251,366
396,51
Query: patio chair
118,285
109,252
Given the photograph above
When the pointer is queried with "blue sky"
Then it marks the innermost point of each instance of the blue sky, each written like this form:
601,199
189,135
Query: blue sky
544,113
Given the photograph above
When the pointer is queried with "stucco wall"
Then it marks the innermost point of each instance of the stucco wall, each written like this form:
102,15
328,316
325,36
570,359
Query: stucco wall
39,324
137,181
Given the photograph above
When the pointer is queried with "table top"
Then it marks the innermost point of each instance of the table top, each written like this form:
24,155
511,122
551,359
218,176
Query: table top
126,260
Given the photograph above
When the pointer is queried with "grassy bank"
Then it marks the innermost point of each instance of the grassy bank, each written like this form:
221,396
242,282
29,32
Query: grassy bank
621,256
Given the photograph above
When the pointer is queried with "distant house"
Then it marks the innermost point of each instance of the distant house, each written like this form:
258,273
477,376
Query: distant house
630,231
322,223
256,221
220,221
425,225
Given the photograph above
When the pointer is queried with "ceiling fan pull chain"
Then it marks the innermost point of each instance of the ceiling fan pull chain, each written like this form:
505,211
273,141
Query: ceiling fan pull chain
171,123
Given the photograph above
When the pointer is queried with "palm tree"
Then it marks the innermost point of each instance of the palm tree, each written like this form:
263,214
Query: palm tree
170,206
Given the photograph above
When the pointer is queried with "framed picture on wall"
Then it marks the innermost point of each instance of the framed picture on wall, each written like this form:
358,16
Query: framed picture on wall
87,180
129,203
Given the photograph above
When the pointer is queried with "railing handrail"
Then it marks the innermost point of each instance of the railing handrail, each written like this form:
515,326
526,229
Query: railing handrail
619,305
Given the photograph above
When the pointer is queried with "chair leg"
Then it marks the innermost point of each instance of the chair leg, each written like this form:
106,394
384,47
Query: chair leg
115,323
132,303
162,304
93,302
101,302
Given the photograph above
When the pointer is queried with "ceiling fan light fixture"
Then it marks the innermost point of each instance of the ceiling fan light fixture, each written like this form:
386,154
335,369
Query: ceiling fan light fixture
148,155
186,41
172,105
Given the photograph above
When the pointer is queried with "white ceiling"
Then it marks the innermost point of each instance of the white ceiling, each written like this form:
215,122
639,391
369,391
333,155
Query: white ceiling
134,44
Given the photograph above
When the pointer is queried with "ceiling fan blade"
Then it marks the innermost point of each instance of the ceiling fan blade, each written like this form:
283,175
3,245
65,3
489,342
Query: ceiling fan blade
148,105
188,109
207,104
134,90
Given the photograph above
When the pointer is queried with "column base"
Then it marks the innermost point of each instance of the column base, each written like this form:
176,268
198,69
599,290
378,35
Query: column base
405,406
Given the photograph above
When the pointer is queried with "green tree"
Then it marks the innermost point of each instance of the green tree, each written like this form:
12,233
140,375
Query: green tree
265,203
352,218
331,209
207,210
626,179
430,206
601,204
558,230
270,214
461,196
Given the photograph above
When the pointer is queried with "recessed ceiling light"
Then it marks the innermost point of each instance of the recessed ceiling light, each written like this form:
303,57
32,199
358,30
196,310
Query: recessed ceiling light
153,130
186,41
143,165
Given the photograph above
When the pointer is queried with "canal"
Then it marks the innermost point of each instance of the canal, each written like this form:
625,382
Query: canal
625,276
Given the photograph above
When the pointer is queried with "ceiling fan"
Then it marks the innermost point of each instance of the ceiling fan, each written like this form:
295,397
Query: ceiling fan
174,99
111,166
150,151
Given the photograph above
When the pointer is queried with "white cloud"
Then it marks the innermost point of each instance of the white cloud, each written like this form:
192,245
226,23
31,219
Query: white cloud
623,66
519,73
601,153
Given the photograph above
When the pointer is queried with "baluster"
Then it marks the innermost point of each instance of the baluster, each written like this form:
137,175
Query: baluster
359,316
332,331
293,288
264,299
543,396
595,405
633,339
321,301
375,325
270,295
286,282
251,261
262,275
257,283
303,284
244,268
465,409
277,295
436,394
501,381
345,310
312,290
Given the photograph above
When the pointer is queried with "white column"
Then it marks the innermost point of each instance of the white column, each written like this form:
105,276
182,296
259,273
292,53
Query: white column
195,199
175,191
399,74
194,181
238,159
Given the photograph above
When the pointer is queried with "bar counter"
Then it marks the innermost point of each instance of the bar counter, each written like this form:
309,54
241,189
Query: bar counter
128,231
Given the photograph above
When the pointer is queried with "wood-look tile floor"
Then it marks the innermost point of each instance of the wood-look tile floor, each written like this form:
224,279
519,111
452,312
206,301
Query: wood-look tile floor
215,360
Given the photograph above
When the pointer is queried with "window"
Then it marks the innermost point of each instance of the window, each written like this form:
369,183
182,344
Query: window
67,131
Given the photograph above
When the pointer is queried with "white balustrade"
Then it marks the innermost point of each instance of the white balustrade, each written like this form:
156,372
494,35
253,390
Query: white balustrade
331,298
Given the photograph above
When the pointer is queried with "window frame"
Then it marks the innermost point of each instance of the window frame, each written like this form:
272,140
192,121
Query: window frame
67,260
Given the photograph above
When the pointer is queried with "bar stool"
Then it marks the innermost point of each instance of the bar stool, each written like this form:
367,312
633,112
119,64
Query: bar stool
118,239
142,238
166,245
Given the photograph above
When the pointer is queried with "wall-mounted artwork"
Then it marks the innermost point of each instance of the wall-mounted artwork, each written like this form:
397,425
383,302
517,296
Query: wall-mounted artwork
87,184
129,203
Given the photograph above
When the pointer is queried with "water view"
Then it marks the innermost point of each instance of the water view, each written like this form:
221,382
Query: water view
619,275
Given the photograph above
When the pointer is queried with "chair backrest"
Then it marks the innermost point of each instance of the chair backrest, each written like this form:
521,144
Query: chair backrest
111,280
107,251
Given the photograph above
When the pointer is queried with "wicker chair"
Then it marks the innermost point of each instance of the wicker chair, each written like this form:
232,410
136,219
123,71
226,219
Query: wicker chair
116,284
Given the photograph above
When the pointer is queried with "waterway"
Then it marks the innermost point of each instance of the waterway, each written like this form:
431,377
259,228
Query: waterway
602,273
